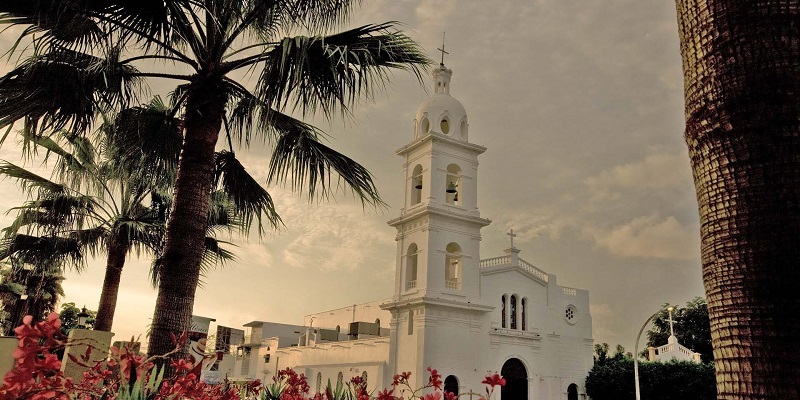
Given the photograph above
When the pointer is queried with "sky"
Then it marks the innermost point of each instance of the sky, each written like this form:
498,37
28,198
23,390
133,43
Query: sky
580,104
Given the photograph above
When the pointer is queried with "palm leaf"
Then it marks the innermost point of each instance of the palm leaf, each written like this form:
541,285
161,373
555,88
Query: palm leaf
43,250
333,71
250,199
62,21
64,89
29,180
299,158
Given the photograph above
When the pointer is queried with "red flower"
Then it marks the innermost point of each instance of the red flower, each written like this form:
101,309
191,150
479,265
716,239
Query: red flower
436,379
450,396
401,378
494,380
386,394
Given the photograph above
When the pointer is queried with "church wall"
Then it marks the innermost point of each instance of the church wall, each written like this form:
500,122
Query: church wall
351,358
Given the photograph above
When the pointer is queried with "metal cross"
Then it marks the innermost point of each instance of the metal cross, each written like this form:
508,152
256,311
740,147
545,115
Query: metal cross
671,322
513,235
442,49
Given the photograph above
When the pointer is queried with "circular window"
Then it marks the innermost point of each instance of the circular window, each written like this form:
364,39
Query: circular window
571,314
445,125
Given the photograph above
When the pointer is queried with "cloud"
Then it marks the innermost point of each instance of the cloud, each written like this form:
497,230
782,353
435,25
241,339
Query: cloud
603,320
651,237
656,172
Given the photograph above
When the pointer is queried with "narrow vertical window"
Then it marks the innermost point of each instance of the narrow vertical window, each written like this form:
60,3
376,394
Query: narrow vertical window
513,312
503,317
411,322
524,314
416,185
452,268
411,267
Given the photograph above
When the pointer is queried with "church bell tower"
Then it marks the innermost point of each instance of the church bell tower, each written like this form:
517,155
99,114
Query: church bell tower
437,281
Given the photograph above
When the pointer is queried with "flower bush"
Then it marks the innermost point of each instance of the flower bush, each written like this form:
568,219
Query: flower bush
127,375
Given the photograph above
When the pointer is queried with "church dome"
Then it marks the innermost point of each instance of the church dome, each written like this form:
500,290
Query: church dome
441,112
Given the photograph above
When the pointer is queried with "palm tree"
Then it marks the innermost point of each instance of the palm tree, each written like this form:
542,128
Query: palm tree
741,63
28,289
98,201
214,41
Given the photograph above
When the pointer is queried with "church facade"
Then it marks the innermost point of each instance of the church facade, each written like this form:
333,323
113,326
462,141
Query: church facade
451,310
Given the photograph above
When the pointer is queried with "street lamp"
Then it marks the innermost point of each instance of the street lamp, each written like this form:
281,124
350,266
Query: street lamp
636,349
82,316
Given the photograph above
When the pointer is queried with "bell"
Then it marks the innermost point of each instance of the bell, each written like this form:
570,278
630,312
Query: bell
418,185
451,188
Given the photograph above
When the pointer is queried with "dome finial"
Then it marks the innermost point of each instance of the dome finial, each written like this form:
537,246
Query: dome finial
442,50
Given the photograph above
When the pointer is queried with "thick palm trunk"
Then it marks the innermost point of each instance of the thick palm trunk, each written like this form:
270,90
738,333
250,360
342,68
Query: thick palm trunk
186,229
741,62
115,260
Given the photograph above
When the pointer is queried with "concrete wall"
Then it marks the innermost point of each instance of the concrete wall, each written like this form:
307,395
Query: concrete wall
7,346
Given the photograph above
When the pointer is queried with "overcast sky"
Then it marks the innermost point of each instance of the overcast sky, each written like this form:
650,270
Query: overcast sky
580,104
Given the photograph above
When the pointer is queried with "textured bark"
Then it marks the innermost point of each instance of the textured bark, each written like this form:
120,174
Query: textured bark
186,228
741,62
115,260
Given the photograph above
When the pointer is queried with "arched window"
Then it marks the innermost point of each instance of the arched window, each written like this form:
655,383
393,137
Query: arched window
513,311
364,378
464,129
503,317
452,268
339,378
445,125
451,385
453,184
338,328
524,314
416,185
572,392
411,266
319,381
378,321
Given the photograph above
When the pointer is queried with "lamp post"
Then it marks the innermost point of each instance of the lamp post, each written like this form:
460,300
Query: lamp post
82,316
636,349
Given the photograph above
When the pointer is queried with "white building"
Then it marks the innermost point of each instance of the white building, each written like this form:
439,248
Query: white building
451,310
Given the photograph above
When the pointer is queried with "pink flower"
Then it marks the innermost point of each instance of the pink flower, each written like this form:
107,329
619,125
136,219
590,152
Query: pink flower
432,396
386,394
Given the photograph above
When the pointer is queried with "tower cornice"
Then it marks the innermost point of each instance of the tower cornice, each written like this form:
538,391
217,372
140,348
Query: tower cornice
438,212
436,136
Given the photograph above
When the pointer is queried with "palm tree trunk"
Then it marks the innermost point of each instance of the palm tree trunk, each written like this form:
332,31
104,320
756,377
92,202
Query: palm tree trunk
115,260
741,62
179,269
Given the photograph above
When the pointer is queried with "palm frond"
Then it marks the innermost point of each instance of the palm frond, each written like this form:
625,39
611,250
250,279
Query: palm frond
330,72
64,89
299,158
145,141
52,213
60,21
249,197
43,250
92,240
29,180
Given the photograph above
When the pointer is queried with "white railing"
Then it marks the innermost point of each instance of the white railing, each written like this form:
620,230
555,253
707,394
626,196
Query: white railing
491,262
411,284
672,347
454,284
569,291
533,270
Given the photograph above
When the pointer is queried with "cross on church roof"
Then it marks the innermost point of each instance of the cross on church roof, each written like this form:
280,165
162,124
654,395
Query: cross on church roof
512,235
443,51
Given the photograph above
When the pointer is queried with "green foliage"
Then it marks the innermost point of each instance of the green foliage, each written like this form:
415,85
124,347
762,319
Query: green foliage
40,287
675,380
692,328
69,317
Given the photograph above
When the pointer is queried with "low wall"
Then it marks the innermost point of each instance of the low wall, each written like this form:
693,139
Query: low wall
7,346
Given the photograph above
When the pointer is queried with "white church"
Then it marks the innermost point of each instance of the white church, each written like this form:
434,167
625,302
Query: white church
451,310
